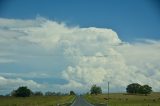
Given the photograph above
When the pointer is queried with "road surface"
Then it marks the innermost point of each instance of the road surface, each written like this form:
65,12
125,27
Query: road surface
80,101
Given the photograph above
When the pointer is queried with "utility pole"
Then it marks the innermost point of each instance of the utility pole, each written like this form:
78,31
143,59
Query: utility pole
108,93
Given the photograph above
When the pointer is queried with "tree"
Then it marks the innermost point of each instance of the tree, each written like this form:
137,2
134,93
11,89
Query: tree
95,90
145,89
22,92
133,88
72,93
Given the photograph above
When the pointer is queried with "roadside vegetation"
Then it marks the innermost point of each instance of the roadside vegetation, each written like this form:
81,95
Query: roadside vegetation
120,99
23,96
136,95
37,101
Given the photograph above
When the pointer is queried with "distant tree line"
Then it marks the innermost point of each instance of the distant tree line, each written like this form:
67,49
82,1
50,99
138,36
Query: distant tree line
133,88
136,88
23,91
56,93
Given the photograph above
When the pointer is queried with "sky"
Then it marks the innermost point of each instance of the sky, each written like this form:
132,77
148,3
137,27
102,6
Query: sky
63,45
130,19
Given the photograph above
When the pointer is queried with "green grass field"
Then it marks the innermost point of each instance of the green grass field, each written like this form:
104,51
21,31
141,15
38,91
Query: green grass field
119,99
37,101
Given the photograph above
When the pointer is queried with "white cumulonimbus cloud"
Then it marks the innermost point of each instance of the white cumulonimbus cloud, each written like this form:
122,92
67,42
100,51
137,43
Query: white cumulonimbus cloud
81,56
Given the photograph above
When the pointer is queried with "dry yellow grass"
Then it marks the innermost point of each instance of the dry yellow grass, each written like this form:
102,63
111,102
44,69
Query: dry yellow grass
119,99
36,101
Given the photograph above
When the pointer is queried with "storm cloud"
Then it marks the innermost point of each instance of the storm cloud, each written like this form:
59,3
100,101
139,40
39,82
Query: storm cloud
80,56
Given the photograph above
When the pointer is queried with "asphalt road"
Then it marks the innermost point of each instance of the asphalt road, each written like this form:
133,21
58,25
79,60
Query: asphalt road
80,101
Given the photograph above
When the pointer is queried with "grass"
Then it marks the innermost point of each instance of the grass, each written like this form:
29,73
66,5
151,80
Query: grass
119,99
37,101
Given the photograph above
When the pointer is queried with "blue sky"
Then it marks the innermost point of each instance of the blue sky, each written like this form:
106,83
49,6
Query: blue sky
130,19
63,45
